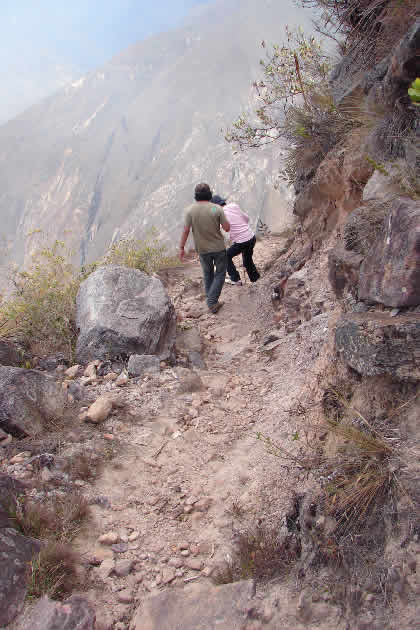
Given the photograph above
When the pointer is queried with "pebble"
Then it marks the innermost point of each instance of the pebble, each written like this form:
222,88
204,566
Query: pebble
126,596
90,371
110,538
120,548
121,380
185,553
123,568
100,409
108,436
194,564
72,371
177,563
206,572
112,376
183,546
168,575
106,568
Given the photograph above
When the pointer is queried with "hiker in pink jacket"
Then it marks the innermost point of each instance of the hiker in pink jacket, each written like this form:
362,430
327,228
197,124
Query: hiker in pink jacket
243,241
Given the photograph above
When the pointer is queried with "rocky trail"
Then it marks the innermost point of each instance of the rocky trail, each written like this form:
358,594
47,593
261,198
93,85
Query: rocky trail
184,468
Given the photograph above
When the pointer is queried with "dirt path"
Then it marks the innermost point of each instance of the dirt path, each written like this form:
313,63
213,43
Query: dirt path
189,469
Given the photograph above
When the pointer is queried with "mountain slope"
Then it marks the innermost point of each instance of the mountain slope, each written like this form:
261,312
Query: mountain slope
121,149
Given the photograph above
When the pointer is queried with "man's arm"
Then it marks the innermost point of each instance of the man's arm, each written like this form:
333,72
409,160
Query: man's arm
184,238
224,222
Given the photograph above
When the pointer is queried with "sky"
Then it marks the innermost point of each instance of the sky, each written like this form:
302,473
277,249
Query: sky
45,43
86,32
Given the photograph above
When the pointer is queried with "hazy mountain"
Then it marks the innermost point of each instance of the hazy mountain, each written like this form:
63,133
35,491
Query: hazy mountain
121,149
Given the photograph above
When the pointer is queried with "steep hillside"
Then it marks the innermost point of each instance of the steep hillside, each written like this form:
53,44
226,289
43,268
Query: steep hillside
122,148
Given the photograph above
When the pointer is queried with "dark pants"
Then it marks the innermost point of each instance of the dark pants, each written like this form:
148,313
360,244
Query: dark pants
214,272
246,249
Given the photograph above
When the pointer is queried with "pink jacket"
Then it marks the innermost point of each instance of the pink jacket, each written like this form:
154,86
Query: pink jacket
239,228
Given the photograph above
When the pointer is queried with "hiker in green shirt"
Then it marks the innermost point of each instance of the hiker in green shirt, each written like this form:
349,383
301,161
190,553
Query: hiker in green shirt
205,219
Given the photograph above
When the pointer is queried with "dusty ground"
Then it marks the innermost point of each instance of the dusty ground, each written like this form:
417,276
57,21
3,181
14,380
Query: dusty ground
186,467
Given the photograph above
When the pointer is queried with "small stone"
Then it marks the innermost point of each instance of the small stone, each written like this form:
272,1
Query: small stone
111,376
126,596
168,575
108,436
132,537
110,538
185,553
177,563
90,371
79,483
184,545
120,548
206,572
122,380
105,569
100,409
72,371
194,564
123,568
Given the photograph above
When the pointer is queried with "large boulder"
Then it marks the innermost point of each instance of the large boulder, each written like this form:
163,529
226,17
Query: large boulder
390,274
377,344
28,400
122,311
74,613
16,552
197,607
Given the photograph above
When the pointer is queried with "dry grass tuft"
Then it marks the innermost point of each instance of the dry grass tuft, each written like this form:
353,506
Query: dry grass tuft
83,465
260,554
53,572
59,519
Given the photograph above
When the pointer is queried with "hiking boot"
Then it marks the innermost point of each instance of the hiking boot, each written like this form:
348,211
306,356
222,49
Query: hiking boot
237,283
216,307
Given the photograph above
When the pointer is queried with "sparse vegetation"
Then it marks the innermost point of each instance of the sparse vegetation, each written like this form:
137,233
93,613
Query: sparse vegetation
41,311
55,522
260,553
148,254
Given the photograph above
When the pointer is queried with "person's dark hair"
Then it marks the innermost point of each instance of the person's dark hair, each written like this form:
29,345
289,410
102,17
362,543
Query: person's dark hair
203,192
219,200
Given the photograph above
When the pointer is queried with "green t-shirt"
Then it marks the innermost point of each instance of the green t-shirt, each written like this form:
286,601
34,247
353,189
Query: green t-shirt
205,219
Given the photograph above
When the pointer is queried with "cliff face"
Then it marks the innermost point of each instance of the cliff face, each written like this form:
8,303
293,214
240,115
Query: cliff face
121,149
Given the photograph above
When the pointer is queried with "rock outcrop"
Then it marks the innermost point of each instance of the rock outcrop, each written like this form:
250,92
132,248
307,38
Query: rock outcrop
390,274
198,607
16,552
9,354
376,343
74,613
122,311
28,400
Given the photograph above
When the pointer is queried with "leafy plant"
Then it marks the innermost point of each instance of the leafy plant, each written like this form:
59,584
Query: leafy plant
41,311
148,254
414,92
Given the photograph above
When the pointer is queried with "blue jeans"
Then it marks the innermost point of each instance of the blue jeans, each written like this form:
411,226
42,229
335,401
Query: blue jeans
214,267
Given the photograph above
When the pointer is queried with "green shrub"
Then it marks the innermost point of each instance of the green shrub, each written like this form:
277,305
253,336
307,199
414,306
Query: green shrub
41,310
148,254
294,104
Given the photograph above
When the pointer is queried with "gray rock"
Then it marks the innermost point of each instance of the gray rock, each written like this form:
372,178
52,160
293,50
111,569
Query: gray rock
390,274
9,354
140,364
28,400
375,344
122,311
74,613
10,490
346,79
197,607
403,67
16,552
364,225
